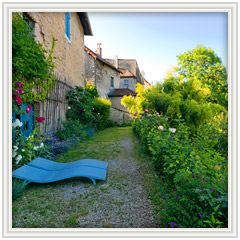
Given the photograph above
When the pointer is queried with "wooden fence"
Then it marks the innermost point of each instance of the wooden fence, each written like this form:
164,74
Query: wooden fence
55,105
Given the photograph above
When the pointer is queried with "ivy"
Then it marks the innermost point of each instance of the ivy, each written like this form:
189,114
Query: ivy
32,65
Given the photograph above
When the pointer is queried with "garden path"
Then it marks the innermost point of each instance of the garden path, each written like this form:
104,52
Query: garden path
119,202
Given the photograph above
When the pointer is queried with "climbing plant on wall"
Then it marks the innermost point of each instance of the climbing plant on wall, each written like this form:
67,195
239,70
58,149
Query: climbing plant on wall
32,65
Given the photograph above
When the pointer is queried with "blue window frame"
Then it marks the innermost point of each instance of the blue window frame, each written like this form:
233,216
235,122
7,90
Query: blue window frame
125,82
68,25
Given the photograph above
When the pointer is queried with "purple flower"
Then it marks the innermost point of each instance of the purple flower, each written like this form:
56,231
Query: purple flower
200,215
175,190
211,190
218,195
178,197
182,216
178,226
201,191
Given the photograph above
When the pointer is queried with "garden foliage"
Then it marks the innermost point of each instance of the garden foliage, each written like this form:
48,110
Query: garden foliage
182,126
32,65
193,172
86,107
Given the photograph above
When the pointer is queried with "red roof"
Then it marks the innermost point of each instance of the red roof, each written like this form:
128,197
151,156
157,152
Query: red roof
119,92
125,73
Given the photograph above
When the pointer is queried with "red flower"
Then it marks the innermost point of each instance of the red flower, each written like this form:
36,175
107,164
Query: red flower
40,119
29,108
18,100
19,84
19,91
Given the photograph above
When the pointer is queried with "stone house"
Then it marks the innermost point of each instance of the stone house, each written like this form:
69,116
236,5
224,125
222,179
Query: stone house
100,73
130,72
67,29
119,113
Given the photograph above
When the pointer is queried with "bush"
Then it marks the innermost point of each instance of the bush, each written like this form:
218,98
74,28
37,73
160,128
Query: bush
17,188
190,165
70,127
88,108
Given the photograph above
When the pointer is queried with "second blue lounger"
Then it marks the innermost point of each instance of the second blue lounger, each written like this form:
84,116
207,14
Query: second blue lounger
46,164
32,174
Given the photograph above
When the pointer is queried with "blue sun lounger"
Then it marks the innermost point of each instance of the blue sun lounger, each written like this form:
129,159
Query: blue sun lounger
33,174
54,166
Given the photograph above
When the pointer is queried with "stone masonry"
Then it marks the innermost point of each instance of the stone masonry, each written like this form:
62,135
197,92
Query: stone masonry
68,54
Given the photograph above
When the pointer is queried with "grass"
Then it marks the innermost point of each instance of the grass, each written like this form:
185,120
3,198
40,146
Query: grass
68,203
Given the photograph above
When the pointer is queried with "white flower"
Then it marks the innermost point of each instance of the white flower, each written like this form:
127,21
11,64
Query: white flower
15,148
98,113
14,154
17,123
173,130
23,150
35,148
69,107
41,145
19,157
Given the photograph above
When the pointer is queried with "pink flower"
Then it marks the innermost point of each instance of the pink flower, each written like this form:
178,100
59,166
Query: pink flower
84,110
146,110
166,119
19,84
41,119
18,100
93,109
161,128
29,108
19,91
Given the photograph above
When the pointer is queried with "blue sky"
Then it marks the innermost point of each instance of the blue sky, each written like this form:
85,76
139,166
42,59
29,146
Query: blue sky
155,39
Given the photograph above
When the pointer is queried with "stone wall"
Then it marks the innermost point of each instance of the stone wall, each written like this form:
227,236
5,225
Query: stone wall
69,54
102,73
131,83
120,116
116,103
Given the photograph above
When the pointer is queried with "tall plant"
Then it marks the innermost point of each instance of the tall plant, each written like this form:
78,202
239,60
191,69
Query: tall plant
32,65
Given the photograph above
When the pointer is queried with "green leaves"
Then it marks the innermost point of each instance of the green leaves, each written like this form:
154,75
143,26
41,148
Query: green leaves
29,63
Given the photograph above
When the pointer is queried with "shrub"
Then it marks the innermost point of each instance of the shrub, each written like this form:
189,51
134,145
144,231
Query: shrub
70,127
87,108
17,188
190,165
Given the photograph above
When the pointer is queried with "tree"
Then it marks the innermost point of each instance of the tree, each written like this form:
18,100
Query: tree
204,65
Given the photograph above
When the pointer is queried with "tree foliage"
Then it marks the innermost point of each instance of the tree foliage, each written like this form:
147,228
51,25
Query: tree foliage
203,64
196,91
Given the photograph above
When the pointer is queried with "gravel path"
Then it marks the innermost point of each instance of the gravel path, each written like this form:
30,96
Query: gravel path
122,201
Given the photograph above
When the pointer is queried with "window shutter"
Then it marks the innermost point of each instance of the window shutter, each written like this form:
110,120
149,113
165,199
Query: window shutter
67,24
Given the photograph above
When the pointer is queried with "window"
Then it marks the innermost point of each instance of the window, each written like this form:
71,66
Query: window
125,82
27,19
112,82
67,25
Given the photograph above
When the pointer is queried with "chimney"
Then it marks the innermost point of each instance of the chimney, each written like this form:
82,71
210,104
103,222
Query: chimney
99,49
116,61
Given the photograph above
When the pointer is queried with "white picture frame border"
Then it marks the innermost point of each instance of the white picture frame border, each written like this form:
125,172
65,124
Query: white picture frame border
214,6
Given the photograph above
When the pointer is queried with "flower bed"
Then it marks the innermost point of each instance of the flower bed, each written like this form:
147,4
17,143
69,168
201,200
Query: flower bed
194,173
